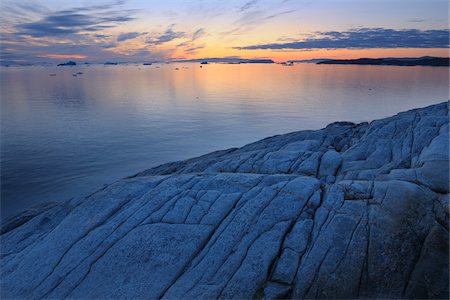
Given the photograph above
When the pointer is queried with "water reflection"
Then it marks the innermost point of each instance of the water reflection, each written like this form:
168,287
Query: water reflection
64,135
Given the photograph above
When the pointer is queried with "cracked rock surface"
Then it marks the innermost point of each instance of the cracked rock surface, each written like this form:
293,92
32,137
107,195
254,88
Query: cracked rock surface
349,211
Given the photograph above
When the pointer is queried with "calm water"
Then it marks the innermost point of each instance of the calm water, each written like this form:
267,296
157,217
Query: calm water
63,136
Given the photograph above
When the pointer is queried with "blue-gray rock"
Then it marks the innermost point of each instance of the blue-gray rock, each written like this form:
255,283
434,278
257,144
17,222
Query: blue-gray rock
349,211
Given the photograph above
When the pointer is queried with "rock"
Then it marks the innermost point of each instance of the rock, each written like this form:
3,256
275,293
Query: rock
330,163
427,267
349,211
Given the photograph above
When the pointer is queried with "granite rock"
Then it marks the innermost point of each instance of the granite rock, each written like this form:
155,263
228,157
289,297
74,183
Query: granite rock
349,211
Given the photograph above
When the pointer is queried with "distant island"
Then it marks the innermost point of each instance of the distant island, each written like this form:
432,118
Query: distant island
420,61
69,63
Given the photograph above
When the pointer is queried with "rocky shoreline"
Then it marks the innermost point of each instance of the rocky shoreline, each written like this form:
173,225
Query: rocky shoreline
348,211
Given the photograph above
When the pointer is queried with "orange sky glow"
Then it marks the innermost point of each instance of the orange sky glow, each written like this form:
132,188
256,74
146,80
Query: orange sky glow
281,30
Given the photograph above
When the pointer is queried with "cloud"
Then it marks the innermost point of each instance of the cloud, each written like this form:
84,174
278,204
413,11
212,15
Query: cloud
129,35
417,20
91,53
194,44
74,32
253,14
252,19
198,34
248,5
193,49
95,7
167,36
75,21
366,38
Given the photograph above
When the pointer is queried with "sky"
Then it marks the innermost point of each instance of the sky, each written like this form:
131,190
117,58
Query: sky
167,30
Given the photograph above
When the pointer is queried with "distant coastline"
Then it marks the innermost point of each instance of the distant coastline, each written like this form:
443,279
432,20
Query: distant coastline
421,61
391,61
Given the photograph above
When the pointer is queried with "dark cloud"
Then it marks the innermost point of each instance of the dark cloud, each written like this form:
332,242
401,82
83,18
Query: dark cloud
167,36
75,20
365,38
81,29
101,36
129,35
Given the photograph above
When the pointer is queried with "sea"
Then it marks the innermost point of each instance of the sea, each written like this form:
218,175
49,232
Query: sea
67,131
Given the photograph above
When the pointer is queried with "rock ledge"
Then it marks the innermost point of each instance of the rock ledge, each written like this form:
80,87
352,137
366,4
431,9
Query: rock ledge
349,211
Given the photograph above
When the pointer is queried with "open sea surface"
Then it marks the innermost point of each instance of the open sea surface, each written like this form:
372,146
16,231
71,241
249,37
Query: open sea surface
64,136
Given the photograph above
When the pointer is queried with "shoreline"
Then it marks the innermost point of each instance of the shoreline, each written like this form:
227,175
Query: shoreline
300,215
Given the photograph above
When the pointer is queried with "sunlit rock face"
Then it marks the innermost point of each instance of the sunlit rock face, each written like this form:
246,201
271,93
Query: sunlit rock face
349,211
